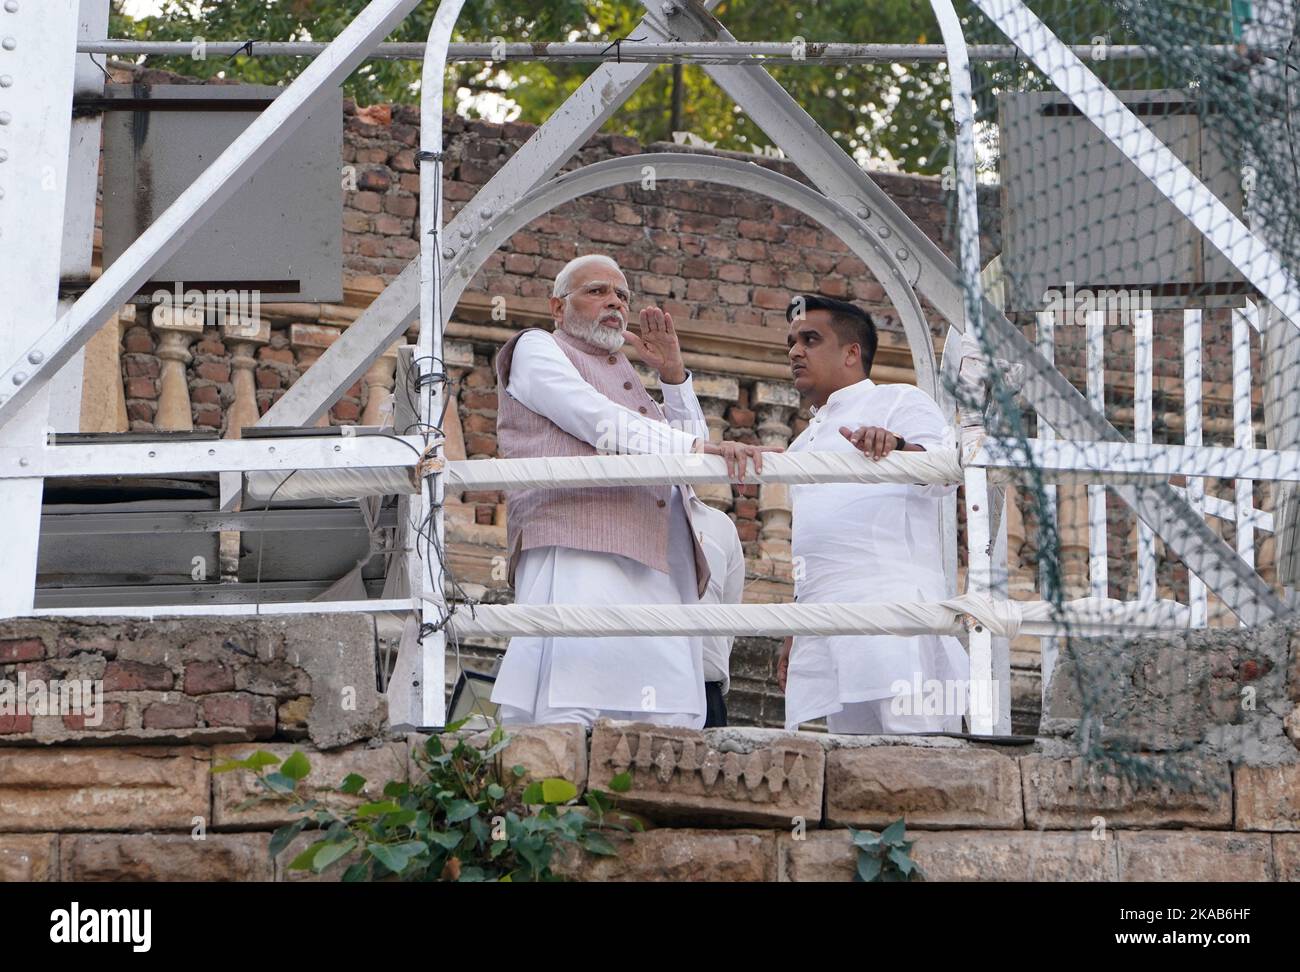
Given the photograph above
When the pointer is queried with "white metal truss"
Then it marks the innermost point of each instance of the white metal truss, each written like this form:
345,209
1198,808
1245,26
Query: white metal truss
849,202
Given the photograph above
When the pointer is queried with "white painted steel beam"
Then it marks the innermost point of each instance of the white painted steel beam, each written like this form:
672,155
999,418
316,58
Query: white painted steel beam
211,455
26,373
1167,172
1127,462
390,314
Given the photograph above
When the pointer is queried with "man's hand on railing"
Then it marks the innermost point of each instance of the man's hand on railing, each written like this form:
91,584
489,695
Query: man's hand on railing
737,455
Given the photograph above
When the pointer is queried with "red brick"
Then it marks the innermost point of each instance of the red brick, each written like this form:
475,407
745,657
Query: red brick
404,206
751,250
771,299
268,378
256,712
746,509
140,366
130,676
182,714
21,650
312,335
14,724
210,417
476,443
742,417
203,677
213,371
747,530
112,719
367,202
732,273
479,399
655,286
347,411
485,514
389,225
521,263
734,293
375,179
138,339
141,388
210,346
755,230
404,161
205,395
282,355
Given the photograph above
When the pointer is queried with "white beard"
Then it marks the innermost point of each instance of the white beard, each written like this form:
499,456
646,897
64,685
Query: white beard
593,332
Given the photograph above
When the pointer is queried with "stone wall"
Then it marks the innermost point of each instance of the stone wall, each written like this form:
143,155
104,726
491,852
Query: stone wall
1214,797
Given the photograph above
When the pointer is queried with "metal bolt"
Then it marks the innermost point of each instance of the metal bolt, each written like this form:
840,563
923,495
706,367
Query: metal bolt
668,9
6,80
212,452
466,232
5,118
271,449
11,6
20,377
486,212
9,43
901,253
338,448
24,461
448,252
883,231
4,155
152,454
976,508
36,357
864,213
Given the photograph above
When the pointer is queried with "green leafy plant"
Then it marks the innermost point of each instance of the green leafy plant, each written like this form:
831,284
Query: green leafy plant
460,821
885,856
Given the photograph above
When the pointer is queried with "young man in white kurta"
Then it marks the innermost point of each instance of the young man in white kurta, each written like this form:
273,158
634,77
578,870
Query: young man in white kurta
654,679
866,542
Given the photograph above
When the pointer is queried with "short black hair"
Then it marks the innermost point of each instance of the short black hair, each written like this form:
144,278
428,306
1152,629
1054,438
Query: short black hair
852,325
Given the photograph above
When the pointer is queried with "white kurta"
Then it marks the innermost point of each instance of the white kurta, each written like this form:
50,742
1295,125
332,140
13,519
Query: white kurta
868,542
579,679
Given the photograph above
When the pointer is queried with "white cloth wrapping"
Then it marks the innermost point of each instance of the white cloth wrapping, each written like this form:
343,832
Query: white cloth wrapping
950,617
543,675
726,557
855,542
939,466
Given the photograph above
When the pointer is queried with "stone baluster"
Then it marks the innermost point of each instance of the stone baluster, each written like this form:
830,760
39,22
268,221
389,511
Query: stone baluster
379,388
458,357
775,404
716,393
1021,581
243,339
177,329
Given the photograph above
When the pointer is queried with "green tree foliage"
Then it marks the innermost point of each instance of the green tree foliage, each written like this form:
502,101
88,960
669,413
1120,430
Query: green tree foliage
877,112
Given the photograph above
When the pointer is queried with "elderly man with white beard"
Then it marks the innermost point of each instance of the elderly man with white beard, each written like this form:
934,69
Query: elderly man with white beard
573,392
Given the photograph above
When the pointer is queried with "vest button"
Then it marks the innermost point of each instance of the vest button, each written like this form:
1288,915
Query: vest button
612,359
627,386
661,503
642,409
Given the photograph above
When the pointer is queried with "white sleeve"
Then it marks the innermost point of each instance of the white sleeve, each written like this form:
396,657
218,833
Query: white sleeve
682,408
918,420
733,586
544,380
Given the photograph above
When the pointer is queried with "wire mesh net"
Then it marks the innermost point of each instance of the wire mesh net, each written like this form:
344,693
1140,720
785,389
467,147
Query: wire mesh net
1114,317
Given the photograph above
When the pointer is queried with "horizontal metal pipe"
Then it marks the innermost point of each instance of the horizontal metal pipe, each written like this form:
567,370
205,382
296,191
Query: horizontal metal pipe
713,52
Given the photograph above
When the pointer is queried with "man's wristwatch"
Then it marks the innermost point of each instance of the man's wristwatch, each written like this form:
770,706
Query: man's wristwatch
899,441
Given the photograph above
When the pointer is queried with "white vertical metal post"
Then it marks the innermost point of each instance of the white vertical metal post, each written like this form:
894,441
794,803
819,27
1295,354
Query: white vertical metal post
1049,648
1197,599
1096,371
38,67
426,558
983,697
1143,367
1242,428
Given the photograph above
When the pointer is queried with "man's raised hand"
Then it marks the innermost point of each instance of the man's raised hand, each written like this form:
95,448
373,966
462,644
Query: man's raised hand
658,346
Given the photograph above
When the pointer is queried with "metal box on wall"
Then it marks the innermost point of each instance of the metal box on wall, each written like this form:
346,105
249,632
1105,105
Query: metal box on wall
1077,213
281,234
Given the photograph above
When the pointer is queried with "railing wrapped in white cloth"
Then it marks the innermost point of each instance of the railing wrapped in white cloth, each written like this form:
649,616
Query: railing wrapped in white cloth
937,466
1006,619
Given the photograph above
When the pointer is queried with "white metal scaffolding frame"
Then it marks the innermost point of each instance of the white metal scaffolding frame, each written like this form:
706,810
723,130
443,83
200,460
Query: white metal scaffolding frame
36,345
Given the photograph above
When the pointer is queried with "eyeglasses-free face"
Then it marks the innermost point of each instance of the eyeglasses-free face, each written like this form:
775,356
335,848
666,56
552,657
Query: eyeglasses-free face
600,290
